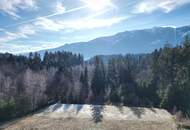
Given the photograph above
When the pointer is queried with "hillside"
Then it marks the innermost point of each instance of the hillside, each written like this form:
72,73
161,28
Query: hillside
159,80
137,41
85,117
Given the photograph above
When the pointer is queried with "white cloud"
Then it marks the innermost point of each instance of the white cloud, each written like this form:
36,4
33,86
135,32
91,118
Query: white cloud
149,6
98,5
7,37
11,7
48,24
26,30
60,8
53,25
93,23
21,47
22,32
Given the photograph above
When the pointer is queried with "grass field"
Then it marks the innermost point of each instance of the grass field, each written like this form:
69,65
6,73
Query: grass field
87,117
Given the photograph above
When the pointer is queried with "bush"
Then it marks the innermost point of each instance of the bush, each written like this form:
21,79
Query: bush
7,110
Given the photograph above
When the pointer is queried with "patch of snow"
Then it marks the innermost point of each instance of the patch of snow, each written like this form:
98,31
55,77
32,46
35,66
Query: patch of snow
107,112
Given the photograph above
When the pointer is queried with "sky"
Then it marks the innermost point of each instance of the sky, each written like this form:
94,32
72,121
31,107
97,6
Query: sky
32,25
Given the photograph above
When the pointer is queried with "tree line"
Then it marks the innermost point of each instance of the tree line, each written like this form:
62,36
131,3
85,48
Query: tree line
160,79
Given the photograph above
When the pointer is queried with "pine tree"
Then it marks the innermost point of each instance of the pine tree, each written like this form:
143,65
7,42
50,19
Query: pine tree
113,82
84,86
98,82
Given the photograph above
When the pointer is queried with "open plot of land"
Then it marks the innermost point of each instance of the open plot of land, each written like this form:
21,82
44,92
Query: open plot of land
94,117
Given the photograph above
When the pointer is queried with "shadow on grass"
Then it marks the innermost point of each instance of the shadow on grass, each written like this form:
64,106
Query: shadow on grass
138,111
153,110
97,113
78,108
56,106
120,107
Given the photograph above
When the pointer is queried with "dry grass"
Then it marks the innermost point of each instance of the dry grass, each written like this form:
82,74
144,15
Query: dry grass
183,124
43,121
39,123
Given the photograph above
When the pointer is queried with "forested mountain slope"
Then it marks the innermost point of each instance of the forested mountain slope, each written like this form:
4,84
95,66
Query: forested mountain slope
137,41
159,79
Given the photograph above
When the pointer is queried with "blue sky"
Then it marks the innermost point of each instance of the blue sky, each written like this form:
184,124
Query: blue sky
32,25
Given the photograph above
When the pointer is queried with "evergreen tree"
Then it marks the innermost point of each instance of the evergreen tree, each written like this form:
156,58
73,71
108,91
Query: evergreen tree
84,86
98,81
7,110
113,82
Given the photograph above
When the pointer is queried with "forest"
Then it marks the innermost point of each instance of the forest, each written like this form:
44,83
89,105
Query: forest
159,79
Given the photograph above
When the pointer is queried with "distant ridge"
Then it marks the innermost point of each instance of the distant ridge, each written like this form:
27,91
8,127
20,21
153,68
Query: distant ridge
137,41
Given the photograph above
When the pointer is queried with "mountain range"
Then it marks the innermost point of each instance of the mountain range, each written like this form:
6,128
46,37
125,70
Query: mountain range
136,41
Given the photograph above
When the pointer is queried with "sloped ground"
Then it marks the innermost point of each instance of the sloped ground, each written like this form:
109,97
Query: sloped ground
91,117
183,123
